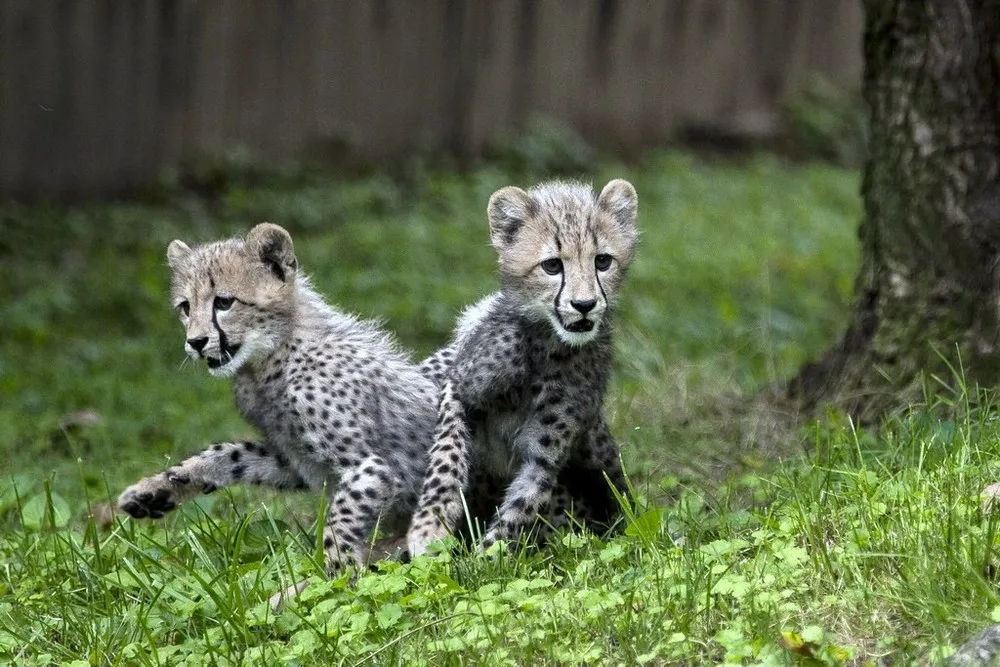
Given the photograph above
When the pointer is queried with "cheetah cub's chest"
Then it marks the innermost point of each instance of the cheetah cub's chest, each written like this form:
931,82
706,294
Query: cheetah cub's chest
501,428
495,431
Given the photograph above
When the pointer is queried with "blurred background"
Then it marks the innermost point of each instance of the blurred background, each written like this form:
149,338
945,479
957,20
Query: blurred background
105,96
375,132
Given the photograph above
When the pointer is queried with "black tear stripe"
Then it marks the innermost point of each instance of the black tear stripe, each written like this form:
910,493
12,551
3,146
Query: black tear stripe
562,277
223,342
600,286
597,274
562,284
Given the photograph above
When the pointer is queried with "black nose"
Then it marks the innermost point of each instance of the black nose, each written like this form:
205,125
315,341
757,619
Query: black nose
584,306
198,343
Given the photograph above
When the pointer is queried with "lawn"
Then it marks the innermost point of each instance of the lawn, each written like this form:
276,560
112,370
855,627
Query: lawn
830,543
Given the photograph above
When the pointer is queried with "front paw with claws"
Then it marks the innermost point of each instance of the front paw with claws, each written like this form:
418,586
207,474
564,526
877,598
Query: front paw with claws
152,497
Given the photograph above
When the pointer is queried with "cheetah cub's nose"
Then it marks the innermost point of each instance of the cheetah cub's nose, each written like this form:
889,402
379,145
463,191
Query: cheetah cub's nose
584,306
198,344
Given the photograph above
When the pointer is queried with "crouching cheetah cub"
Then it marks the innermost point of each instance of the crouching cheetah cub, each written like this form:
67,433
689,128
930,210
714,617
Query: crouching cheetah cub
524,378
334,400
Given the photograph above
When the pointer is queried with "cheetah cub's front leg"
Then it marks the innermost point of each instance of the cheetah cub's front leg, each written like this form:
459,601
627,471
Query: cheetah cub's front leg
543,444
222,464
440,507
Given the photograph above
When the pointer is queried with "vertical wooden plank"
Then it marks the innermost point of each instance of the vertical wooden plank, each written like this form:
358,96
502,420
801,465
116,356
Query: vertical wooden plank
266,107
240,82
617,85
433,31
658,118
359,78
11,105
571,60
265,100
527,49
192,61
173,85
375,119
303,57
208,99
281,91
91,40
326,109
146,147
423,70
704,60
796,44
86,93
742,100
834,43
496,58
121,98
37,87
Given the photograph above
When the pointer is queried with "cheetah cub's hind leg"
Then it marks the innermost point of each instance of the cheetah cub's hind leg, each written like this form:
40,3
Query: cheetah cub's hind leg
361,497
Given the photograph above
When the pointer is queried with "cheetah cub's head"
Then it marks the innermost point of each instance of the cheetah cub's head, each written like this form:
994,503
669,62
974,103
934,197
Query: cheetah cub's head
234,297
564,251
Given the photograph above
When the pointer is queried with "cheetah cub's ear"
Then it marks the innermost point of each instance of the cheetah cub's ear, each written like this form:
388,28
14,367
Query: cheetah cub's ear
508,210
176,252
273,245
619,199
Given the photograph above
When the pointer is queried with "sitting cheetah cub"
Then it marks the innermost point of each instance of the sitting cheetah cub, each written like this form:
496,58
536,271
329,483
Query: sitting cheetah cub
523,380
334,400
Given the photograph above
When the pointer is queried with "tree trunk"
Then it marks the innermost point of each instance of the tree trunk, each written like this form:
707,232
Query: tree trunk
927,290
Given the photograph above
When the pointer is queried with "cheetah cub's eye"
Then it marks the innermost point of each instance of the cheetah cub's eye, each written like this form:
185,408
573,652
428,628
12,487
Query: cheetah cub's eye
223,302
552,266
184,307
602,262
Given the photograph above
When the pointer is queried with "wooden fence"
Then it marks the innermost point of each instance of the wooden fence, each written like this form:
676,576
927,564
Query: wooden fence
99,96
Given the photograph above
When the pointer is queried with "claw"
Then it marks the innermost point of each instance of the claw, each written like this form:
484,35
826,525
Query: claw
178,478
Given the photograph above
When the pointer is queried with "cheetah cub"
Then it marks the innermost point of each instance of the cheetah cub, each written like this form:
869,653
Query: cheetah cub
335,402
523,380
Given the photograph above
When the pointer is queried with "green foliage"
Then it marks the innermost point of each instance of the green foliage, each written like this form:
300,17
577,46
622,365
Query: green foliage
872,547
869,548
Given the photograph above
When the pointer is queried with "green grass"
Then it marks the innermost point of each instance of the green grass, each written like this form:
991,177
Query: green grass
858,546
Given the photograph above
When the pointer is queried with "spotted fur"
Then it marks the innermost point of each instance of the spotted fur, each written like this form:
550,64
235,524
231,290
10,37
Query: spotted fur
524,377
337,405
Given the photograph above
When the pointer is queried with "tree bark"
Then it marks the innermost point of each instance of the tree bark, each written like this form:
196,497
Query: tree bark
927,289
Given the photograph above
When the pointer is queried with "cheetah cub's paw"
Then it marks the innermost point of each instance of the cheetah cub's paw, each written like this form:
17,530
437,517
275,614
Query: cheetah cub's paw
419,539
152,497
340,559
